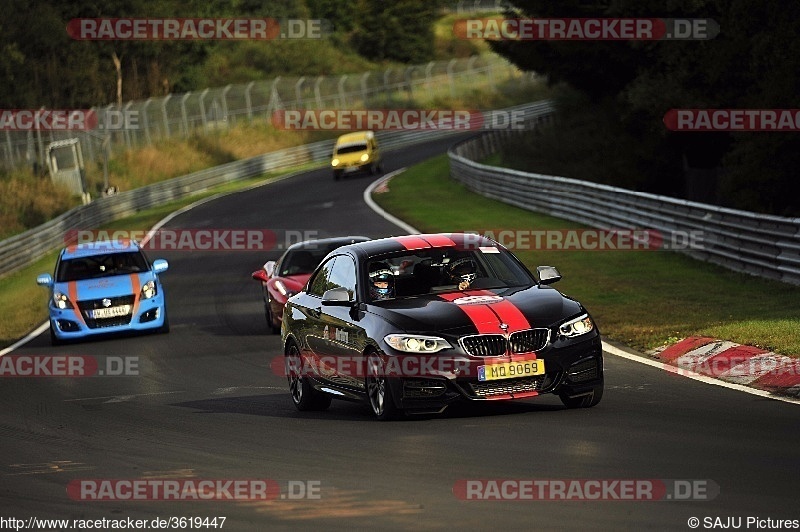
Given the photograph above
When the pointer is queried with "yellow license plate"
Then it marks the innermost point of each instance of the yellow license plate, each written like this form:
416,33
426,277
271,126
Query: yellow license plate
510,370
111,312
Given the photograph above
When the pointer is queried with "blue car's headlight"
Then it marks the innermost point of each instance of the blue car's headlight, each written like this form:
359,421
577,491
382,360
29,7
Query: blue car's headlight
149,290
61,301
578,326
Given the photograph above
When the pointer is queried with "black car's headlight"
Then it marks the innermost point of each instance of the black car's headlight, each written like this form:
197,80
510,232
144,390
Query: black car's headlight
61,301
416,343
576,327
149,290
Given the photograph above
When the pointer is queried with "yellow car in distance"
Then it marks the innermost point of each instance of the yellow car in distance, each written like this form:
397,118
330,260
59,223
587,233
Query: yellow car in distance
357,151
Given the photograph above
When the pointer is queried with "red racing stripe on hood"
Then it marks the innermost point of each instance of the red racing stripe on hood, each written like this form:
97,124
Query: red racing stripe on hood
481,316
487,316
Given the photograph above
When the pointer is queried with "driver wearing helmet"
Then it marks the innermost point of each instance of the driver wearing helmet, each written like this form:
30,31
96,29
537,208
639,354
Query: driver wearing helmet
462,272
381,281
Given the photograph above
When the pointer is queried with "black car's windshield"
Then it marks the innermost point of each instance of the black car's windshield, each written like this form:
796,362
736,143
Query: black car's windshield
305,260
448,270
100,266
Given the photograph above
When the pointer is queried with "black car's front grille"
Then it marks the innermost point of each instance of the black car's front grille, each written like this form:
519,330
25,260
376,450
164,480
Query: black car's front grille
485,345
507,387
529,341
493,345
93,304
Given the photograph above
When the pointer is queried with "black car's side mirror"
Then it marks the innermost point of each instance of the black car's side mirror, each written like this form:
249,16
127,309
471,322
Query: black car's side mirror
336,297
548,274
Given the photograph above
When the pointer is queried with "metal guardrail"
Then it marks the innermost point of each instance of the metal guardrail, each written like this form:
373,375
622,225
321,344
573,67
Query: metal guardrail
758,244
23,249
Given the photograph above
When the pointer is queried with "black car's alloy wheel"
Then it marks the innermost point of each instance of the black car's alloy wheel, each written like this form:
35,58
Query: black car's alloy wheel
378,393
304,396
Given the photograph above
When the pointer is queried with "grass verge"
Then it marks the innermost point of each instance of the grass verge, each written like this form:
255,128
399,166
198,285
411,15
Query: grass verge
641,298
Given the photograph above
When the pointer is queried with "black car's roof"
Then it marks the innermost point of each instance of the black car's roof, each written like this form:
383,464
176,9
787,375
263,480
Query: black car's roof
393,244
341,240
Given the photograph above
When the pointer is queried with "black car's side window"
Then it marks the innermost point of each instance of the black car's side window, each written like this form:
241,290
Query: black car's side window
319,283
343,275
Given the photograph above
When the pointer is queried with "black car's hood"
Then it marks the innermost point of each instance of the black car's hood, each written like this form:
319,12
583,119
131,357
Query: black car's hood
476,311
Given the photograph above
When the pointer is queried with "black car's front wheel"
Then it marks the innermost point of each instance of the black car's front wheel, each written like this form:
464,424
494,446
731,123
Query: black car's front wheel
304,396
378,393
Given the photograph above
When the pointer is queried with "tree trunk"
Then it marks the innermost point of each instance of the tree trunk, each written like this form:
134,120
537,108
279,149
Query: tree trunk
118,67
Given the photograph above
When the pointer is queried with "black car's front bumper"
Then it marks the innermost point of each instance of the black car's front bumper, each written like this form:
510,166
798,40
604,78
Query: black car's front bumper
571,369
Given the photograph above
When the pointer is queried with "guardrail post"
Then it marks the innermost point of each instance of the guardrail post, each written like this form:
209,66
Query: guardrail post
184,116
248,102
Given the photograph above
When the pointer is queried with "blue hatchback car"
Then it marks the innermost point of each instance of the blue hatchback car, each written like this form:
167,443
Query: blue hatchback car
105,287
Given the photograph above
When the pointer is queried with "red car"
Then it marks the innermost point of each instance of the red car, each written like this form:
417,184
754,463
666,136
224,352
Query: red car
285,277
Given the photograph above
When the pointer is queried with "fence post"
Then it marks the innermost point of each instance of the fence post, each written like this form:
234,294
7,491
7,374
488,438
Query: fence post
386,81
407,79
184,117
126,132
450,80
364,90
298,96
203,110
249,102
146,124
317,93
164,115
42,160
10,149
225,102
342,97
274,99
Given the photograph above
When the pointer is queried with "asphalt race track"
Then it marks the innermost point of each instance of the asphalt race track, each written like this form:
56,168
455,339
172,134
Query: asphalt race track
207,405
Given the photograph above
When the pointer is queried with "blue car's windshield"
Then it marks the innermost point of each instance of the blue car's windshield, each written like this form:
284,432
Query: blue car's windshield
100,266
